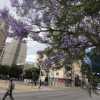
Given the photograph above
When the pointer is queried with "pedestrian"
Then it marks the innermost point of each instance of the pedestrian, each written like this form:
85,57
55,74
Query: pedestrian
40,83
94,86
9,90
90,90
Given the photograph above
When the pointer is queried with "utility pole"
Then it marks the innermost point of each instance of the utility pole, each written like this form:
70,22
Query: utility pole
17,51
40,60
2,48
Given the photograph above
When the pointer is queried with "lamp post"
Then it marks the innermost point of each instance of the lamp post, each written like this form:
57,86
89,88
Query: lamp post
40,76
40,62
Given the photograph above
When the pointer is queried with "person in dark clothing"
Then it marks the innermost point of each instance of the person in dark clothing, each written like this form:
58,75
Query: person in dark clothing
90,89
9,90
40,83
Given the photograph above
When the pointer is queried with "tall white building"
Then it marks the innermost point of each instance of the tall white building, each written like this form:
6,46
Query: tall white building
15,52
3,31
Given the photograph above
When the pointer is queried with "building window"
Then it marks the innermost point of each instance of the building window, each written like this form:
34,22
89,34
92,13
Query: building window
57,73
42,74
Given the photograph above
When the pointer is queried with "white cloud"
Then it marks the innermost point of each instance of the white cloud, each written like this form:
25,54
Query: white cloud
32,48
4,3
31,58
9,40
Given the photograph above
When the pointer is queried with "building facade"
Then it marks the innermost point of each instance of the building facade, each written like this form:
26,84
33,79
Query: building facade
14,53
57,77
62,77
3,34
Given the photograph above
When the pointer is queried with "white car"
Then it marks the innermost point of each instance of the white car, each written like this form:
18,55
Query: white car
98,88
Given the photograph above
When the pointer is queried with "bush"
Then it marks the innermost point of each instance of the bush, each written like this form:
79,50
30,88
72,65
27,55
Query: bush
32,73
16,71
4,71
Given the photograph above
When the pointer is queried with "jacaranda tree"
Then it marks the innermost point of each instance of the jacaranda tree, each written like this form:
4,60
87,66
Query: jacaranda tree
69,26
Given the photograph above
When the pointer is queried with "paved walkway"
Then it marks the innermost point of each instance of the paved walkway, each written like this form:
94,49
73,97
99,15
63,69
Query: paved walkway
22,87
66,94
19,86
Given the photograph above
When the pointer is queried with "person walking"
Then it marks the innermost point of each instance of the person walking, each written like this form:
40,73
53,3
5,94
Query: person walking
9,90
40,83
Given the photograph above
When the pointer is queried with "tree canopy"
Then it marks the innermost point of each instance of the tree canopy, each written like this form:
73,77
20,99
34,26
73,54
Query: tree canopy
70,26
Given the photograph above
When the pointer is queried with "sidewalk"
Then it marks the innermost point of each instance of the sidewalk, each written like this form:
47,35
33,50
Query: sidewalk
19,87
22,87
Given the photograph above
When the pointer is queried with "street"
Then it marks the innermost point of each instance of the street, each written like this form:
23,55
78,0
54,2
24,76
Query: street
64,94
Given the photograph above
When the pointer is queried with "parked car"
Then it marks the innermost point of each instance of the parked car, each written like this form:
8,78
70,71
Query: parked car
98,88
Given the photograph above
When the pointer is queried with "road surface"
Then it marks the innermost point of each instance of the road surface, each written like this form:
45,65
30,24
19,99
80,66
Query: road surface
65,94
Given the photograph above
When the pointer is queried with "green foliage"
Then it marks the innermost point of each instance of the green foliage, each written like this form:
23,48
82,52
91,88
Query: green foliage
72,15
66,18
68,68
4,70
16,71
32,73
11,71
91,7
85,69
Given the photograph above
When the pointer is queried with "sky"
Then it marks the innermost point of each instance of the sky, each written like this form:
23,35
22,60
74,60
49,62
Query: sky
32,46
4,3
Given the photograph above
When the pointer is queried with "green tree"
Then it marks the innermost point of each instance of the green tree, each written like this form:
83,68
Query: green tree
73,25
4,70
16,71
32,73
